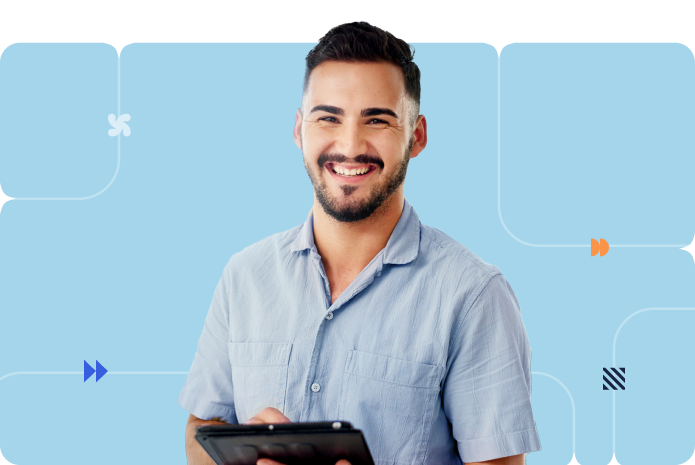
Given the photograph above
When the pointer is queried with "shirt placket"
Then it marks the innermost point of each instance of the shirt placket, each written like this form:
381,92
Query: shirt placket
322,272
312,387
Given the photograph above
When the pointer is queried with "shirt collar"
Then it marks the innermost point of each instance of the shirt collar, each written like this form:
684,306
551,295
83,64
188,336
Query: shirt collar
401,248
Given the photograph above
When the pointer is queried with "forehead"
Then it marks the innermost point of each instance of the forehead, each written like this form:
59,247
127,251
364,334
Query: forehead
346,84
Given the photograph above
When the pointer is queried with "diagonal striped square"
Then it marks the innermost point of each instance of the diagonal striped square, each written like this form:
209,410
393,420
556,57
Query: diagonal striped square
613,379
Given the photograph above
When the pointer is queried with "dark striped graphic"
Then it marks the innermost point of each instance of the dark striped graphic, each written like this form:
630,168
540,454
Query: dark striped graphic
613,379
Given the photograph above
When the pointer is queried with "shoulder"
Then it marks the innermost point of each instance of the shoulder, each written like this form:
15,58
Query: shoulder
440,245
267,252
463,276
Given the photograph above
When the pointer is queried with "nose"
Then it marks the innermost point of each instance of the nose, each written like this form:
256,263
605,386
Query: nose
351,139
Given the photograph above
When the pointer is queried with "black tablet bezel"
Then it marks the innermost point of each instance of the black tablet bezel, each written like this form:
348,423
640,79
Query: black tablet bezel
323,426
206,434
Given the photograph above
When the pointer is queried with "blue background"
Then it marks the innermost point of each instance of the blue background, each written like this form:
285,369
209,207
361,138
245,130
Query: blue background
596,141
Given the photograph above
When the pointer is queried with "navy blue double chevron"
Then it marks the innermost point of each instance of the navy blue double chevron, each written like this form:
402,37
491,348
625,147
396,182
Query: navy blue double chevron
613,379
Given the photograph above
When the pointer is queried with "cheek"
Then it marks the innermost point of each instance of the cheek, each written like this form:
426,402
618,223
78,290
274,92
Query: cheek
315,143
389,148
388,136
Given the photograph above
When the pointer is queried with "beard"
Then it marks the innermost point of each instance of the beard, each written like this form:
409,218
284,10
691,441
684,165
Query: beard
349,210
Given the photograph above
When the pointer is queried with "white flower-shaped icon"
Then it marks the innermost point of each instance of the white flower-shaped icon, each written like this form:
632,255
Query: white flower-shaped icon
119,125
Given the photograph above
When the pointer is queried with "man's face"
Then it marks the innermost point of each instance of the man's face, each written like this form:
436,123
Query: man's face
355,134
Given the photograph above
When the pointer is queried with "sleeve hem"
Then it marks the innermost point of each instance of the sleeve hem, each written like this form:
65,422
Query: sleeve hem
481,450
207,410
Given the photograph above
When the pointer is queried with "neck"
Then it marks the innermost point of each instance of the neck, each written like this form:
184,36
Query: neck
349,247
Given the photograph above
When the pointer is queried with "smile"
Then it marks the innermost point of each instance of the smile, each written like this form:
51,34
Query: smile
349,173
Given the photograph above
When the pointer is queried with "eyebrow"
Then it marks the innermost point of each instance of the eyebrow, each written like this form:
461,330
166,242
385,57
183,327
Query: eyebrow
378,111
328,109
365,112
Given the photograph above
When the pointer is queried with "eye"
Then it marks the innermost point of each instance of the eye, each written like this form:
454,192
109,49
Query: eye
326,118
377,121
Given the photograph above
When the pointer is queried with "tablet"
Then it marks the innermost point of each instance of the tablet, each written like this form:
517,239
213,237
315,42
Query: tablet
310,443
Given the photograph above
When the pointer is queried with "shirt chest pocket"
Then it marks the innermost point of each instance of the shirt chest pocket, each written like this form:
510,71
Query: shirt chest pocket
392,401
259,376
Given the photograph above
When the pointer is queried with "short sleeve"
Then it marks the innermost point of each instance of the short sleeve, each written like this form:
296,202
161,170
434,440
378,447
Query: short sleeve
208,391
487,390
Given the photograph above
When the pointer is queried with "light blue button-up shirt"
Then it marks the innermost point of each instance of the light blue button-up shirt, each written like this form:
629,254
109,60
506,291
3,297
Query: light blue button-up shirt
425,351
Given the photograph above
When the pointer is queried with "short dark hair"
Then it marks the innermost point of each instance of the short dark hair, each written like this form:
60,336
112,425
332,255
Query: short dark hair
362,42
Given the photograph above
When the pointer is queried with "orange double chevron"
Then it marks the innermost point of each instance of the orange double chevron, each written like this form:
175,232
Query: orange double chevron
596,247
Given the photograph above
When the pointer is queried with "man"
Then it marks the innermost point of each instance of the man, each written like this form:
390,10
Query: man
363,313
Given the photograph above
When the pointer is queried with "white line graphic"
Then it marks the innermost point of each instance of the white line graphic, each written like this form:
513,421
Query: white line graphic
16,373
499,185
118,124
691,461
574,429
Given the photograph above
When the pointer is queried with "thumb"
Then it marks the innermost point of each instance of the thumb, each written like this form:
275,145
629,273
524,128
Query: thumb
271,415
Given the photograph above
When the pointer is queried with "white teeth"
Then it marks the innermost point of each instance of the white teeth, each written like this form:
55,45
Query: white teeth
353,172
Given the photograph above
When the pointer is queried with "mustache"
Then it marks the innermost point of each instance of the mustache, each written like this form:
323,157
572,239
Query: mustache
339,158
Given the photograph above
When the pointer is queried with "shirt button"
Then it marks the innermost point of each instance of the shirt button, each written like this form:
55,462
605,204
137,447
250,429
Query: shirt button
329,316
315,387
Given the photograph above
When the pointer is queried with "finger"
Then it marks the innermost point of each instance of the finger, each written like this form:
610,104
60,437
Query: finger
342,462
268,462
271,415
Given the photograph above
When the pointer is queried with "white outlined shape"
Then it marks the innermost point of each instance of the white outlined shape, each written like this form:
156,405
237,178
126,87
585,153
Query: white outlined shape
3,200
615,338
498,46
615,342
574,415
119,46
690,249
119,125
499,182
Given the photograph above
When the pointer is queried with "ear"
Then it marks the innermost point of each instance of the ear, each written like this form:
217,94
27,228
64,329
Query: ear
298,129
419,136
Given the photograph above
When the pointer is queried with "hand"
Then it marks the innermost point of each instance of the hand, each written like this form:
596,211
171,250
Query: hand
273,462
268,415
273,415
